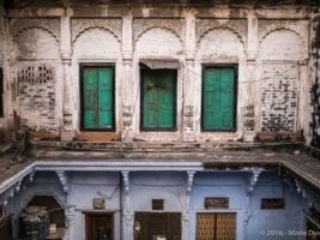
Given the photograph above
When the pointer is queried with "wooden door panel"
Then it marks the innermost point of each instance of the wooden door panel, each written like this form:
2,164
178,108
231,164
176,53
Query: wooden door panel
158,99
216,226
99,226
98,98
218,98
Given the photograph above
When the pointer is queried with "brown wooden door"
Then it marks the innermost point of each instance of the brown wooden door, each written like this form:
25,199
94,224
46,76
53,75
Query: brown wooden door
216,226
99,226
156,226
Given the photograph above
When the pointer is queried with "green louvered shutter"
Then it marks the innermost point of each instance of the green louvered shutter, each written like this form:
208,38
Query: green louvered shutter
166,100
158,100
218,99
90,89
150,103
98,98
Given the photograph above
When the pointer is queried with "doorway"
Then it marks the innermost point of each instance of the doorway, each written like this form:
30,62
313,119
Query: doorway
99,226
158,226
216,226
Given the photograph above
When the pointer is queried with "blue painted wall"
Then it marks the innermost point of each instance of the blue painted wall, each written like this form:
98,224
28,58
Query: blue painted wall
252,222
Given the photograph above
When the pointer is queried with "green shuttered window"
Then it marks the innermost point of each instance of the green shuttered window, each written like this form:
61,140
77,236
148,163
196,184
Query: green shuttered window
158,99
218,99
97,97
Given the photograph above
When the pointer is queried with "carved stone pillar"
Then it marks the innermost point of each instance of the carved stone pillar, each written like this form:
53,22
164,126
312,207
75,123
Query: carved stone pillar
127,213
252,43
67,133
186,212
9,66
127,51
127,107
249,113
189,78
70,219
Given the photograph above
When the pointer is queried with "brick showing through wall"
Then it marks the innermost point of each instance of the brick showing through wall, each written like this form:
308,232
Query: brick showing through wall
279,97
36,91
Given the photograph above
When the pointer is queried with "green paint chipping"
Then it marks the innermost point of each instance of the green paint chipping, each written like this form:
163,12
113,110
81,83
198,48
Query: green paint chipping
98,98
158,99
218,99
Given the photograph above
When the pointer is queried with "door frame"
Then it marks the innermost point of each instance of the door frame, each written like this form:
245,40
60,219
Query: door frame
167,222
235,97
82,66
88,222
174,117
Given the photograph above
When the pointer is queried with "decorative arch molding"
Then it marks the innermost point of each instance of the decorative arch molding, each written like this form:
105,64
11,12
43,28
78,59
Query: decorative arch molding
52,26
15,37
84,31
142,26
161,28
80,26
237,27
273,29
232,31
300,43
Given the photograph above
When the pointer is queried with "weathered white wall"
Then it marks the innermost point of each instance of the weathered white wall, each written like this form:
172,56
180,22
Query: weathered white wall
35,83
269,48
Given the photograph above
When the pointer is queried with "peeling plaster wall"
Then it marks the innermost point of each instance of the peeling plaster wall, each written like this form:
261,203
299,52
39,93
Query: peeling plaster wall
36,73
269,47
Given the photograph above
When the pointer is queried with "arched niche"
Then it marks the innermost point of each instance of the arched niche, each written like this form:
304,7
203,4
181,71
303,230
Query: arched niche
158,41
55,210
282,44
219,44
96,43
36,44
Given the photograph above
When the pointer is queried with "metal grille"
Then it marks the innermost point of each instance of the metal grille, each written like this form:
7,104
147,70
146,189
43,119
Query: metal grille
157,204
206,226
226,226
272,203
216,226
215,203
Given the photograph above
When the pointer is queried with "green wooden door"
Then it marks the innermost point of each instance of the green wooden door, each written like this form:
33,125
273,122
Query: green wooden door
218,106
158,99
97,98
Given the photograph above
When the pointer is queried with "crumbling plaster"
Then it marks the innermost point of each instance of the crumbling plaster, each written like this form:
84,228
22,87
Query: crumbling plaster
192,36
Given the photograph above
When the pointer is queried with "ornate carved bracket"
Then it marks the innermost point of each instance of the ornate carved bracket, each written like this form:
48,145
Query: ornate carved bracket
253,180
31,176
63,180
18,186
301,190
298,186
190,181
126,181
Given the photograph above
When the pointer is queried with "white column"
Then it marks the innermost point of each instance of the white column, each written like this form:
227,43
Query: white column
70,221
67,133
189,78
250,83
186,211
127,77
8,64
127,212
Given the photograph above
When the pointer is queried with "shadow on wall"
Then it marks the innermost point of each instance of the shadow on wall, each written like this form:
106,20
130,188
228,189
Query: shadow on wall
42,218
